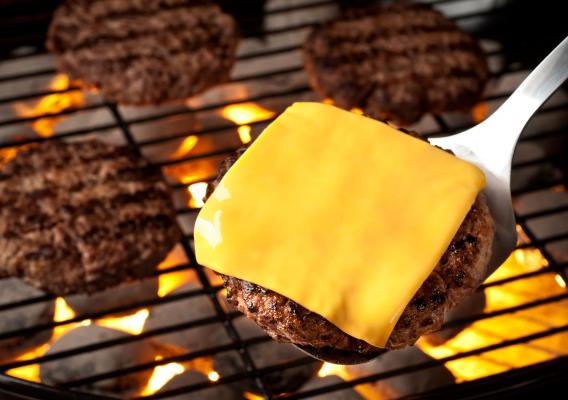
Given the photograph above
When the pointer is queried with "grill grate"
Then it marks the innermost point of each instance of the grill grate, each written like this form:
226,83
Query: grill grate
271,74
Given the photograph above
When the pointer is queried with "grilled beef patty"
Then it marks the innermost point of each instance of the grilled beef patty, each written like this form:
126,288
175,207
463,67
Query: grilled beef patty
460,270
81,217
144,52
395,62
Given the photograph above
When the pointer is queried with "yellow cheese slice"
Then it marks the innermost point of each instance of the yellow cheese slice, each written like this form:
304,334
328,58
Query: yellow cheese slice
338,212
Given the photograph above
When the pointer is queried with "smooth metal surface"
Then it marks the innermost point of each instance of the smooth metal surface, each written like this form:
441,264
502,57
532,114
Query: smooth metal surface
342,357
490,144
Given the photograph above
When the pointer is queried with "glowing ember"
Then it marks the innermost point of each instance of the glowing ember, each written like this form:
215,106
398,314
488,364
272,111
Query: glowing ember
328,101
162,374
244,133
479,112
185,147
50,104
244,114
357,111
560,281
133,324
197,191
213,376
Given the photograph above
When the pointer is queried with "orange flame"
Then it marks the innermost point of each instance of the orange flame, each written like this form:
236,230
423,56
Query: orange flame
133,323
50,104
162,374
244,114
172,280
185,147
328,369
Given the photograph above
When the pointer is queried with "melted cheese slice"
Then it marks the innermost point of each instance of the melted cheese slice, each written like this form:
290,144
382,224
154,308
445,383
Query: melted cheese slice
341,213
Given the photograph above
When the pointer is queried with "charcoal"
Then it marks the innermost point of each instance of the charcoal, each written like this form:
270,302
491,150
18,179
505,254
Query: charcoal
345,394
218,392
120,296
108,359
406,384
184,311
264,354
15,319
470,306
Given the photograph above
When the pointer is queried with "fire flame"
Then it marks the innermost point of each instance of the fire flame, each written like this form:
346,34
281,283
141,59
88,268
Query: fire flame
171,281
133,324
328,369
213,376
162,374
244,114
197,193
185,147
50,104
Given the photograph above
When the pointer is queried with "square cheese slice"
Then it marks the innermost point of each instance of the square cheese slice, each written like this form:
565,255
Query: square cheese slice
343,214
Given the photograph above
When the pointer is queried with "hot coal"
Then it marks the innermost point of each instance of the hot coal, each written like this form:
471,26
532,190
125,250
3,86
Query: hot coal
14,319
264,354
108,359
471,305
345,394
184,311
218,392
406,384
120,296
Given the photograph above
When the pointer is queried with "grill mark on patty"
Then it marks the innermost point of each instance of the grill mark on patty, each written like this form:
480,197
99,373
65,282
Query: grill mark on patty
139,222
118,169
40,221
127,60
109,14
106,35
29,163
148,175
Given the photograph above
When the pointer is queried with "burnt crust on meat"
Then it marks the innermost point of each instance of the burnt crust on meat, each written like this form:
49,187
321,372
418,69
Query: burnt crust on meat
396,62
82,217
459,272
144,52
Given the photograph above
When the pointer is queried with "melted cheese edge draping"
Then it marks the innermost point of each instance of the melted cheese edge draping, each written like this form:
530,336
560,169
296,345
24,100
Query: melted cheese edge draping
341,213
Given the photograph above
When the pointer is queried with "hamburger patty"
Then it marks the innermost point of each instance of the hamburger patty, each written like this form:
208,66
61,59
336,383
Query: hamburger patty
144,52
459,272
395,62
82,217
